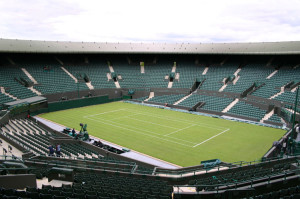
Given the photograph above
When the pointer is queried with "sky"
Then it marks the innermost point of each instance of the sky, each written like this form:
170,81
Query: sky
170,21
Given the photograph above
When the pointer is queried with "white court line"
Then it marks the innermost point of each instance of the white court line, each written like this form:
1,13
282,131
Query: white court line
177,120
139,132
124,116
211,137
151,132
180,130
86,116
150,122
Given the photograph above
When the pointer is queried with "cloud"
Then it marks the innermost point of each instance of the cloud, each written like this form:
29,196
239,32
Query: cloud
151,21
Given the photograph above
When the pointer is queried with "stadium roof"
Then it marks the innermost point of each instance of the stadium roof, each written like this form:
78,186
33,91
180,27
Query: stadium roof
30,46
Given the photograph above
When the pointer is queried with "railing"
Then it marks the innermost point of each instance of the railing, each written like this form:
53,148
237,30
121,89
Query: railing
222,166
235,185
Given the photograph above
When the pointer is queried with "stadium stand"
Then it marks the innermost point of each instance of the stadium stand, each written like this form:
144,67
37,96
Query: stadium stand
96,70
101,172
242,108
216,74
188,73
9,76
212,103
169,99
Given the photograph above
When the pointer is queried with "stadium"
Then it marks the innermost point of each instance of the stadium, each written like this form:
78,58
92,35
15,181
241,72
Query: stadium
150,120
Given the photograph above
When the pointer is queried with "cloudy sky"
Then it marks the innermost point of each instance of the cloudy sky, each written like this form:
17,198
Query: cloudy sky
191,21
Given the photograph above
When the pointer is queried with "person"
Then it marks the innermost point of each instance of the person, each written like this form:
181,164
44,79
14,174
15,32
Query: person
58,150
73,132
51,150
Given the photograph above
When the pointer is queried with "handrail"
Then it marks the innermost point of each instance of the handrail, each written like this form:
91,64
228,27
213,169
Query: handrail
219,167
250,181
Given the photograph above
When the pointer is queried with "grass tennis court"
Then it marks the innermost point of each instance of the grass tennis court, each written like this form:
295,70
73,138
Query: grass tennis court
180,138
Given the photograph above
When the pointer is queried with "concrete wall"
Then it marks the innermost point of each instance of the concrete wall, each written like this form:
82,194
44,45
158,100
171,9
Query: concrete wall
20,181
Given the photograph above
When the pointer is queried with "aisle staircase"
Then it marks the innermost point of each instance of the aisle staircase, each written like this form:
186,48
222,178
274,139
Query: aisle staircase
272,74
72,76
150,96
29,75
34,90
185,97
205,71
279,93
234,102
7,94
267,116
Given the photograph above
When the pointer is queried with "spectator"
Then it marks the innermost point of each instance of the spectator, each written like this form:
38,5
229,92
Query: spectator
51,150
73,132
58,150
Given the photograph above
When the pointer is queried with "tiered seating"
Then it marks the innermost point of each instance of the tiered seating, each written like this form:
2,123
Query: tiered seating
106,186
273,85
240,175
212,103
287,96
155,74
170,99
188,72
131,75
28,135
275,118
289,193
247,110
216,74
4,99
54,80
7,75
251,73
142,98
96,71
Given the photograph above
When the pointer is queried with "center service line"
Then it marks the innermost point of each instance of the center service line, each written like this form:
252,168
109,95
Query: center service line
211,137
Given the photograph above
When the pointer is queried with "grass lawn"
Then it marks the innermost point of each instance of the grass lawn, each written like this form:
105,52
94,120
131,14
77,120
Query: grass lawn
180,138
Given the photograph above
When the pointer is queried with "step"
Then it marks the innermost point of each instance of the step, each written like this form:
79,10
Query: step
7,94
272,74
170,84
237,72
173,69
89,85
29,75
108,76
185,97
223,87
236,79
34,90
142,69
72,76
234,102
267,116
292,111
151,95
111,69
117,84
279,93
205,71
294,89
